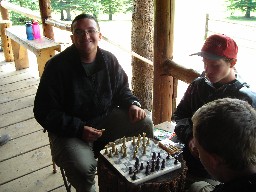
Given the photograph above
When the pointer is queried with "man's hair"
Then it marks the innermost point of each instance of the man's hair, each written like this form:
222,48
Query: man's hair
227,128
84,16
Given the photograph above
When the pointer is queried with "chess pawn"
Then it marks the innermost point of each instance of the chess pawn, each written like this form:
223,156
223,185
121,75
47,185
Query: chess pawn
113,147
134,154
124,152
144,149
110,153
116,152
106,150
148,141
133,140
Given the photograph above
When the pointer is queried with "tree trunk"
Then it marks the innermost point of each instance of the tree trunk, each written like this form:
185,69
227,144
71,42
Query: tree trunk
62,15
68,14
248,12
142,44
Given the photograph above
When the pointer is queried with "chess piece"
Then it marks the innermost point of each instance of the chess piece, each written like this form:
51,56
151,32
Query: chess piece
110,153
176,161
130,170
124,152
159,155
134,175
154,156
163,164
168,156
141,166
144,150
134,154
137,162
113,147
106,150
147,170
153,166
116,152
133,140
157,164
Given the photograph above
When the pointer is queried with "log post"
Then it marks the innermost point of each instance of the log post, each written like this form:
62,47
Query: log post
45,11
6,41
4,13
163,50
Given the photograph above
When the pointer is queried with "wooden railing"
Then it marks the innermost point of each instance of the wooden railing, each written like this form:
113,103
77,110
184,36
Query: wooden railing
170,67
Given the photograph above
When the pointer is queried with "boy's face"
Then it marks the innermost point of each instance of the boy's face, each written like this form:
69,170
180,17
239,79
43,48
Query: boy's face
207,160
217,70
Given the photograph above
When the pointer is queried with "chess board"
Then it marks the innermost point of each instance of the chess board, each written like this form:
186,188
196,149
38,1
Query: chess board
125,162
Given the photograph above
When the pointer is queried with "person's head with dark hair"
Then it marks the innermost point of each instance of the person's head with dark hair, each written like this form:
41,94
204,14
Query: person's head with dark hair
85,36
84,16
224,133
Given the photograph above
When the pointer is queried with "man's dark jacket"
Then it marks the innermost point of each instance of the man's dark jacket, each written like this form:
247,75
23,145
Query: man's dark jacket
67,98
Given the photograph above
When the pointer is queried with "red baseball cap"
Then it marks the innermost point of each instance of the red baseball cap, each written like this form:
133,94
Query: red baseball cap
218,46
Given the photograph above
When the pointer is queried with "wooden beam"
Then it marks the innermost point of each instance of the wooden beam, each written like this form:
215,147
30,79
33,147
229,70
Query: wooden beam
163,50
179,72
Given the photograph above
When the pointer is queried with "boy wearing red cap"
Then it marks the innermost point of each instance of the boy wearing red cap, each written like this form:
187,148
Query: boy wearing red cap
219,80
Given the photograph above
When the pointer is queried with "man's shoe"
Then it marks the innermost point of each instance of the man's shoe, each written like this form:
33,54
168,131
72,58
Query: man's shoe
4,139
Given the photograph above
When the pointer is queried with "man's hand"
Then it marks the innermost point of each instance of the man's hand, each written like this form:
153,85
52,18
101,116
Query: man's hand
193,148
91,134
136,113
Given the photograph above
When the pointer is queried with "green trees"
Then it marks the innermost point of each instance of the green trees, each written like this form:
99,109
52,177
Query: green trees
94,7
246,6
16,18
69,6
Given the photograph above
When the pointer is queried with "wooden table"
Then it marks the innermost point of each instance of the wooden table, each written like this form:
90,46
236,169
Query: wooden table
43,48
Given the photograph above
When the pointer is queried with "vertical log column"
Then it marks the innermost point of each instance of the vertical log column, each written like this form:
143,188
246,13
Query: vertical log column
45,11
163,50
6,41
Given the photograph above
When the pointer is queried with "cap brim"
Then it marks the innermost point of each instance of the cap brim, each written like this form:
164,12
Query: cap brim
207,55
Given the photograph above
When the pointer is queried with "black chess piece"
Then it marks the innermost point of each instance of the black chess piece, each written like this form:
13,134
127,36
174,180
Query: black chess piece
141,166
130,170
147,170
134,175
154,156
157,164
153,166
163,164
137,162
176,161
159,155
168,156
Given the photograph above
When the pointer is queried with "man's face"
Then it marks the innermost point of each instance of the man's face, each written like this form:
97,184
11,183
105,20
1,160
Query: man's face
217,70
86,36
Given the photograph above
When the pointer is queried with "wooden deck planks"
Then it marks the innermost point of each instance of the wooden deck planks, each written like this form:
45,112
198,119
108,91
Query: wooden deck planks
25,161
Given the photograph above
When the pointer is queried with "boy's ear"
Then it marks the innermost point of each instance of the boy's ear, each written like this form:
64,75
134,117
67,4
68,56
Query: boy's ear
233,62
215,160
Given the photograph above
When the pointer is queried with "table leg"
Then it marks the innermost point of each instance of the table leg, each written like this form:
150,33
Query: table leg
20,56
42,58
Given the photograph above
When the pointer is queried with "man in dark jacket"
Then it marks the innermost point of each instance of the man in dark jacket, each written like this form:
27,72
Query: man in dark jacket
220,80
225,137
82,91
